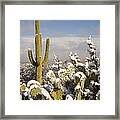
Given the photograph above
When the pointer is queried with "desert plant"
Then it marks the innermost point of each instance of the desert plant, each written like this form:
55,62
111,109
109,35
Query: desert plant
39,63
63,80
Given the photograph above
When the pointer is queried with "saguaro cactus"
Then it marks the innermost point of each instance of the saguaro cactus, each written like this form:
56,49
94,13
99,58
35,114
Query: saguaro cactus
39,63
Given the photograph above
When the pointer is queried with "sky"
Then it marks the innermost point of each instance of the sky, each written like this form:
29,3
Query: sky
65,35
61,28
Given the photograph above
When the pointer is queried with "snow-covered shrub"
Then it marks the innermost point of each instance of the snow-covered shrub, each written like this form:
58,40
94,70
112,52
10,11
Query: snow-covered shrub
71,79
27,72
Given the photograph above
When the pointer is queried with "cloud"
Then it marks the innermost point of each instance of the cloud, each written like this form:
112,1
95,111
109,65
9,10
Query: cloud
60,46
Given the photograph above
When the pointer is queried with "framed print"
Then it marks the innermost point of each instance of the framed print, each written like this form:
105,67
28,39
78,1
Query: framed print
60,60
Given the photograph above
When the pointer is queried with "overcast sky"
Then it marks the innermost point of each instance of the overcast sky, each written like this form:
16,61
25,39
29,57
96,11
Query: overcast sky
66,36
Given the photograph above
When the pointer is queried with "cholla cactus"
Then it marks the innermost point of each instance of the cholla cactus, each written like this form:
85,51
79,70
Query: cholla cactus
37,91
78,92
92,67
81,78
24,91
57,64
62,73
93,59
74,58
34,91
56,82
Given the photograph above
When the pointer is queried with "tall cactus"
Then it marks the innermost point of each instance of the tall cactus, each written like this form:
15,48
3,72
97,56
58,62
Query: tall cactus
39,63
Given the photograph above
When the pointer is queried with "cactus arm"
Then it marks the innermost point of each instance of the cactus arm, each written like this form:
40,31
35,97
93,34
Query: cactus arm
31,57
45,61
